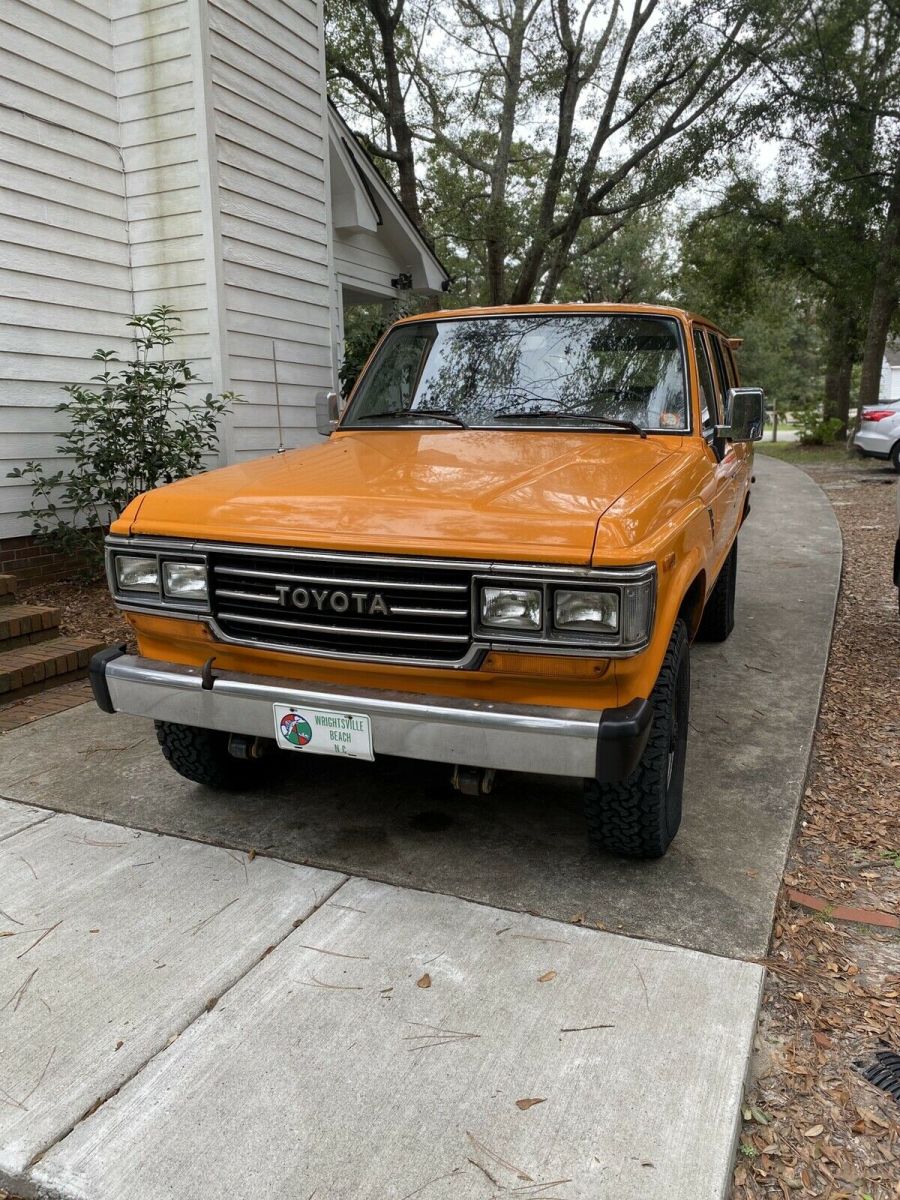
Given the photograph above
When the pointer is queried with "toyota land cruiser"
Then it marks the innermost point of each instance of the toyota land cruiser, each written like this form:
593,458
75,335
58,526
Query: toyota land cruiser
498,560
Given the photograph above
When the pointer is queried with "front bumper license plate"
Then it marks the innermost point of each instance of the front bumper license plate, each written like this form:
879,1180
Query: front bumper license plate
318,731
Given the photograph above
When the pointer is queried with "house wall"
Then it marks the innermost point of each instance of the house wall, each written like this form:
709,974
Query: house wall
363,260
158,104
65,285
267,101
101,205
889,387
176,152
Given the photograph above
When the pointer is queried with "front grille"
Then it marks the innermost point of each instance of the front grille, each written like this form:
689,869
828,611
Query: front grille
353,607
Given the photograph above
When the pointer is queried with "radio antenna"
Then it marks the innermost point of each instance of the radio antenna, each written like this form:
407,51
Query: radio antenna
280,449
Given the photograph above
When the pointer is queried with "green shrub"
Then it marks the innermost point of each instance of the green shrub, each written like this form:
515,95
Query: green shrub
130,429
816,429
362,329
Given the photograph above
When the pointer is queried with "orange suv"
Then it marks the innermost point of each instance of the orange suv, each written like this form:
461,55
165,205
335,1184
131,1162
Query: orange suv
497,560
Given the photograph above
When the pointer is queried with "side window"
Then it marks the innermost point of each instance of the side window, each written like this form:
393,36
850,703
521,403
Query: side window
724,379
709,412
730,365
390,383
720,379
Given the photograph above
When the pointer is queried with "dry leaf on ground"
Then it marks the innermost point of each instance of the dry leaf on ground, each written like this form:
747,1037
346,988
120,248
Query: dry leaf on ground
833,989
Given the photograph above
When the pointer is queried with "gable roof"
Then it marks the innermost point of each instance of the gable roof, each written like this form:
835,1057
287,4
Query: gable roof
363,201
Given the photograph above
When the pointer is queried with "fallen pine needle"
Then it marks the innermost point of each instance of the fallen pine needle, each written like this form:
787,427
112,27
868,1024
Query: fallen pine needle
46,933
338,987
201,924
334,953
497,1159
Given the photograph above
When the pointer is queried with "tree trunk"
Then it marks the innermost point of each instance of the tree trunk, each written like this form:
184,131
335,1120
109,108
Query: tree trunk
395,117
841,351
885,297
497,221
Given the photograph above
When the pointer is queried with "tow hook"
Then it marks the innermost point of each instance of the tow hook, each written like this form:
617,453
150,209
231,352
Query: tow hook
241,745
473,781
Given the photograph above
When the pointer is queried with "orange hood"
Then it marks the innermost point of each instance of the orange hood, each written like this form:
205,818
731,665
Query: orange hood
517,495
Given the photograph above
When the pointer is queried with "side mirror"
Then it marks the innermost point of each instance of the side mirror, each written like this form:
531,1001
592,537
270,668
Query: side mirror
328,412
745,415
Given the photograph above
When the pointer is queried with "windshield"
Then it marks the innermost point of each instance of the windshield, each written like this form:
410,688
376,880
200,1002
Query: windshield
547,370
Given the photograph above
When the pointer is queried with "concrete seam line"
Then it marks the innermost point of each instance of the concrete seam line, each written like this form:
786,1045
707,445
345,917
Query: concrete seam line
747,1051
48,816
242,848
206,1006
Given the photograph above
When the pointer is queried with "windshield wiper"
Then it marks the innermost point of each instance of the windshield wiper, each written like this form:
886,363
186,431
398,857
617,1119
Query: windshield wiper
440,414
507,414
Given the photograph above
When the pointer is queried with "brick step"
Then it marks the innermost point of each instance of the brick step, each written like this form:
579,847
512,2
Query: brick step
7,589
25,624
33,668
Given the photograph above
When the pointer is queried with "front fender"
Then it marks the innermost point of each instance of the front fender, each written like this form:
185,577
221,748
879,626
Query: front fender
682,578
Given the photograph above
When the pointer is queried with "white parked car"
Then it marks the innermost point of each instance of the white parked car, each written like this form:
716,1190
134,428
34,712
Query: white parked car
879,432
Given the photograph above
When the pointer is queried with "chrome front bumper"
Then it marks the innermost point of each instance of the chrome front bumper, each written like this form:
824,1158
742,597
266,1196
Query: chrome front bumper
476,733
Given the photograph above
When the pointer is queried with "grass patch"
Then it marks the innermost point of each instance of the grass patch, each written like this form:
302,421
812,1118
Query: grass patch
794,452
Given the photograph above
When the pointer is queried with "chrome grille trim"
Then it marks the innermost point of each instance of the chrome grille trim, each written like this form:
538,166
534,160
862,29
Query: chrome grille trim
457,613
342,630
232,595
337,581
385,610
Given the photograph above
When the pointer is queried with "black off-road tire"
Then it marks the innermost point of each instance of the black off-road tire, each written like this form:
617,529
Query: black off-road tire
717,621
201,755
639,817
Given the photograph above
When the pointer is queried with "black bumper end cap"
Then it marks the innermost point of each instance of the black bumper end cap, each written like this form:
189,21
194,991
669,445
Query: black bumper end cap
621,739
97,675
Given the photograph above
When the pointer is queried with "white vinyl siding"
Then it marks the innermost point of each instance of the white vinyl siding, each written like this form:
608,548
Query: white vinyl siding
65,285
152,55
268,111
363,259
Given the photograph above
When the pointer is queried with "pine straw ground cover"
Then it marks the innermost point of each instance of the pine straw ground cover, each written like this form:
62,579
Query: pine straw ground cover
812,1125
86,609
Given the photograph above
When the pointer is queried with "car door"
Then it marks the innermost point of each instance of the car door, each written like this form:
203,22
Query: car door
718,502
736,459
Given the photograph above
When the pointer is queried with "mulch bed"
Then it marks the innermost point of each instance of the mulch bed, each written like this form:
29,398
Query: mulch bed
813,1126
86,609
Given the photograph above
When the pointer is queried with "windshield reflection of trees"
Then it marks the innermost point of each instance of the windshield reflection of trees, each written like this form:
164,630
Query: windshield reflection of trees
627,368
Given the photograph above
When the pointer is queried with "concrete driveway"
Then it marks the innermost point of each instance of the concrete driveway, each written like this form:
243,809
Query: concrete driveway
754,707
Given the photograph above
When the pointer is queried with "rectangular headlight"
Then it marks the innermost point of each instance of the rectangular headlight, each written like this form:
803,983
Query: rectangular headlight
589,612
512,608
135,574
185,580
